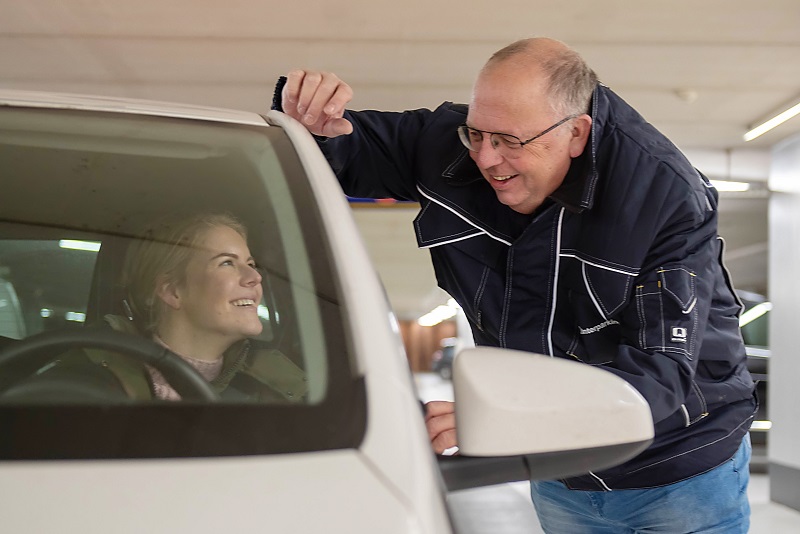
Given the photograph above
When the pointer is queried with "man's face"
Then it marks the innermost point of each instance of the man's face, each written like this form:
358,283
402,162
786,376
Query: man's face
511,100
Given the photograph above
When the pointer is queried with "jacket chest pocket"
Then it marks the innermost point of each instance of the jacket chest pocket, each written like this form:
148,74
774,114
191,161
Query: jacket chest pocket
594,338
595,295
475,281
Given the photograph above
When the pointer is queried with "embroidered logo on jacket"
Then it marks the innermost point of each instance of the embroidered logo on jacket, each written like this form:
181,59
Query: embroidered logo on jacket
597,328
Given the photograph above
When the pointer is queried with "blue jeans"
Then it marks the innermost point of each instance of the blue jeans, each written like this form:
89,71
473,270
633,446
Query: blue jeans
712,503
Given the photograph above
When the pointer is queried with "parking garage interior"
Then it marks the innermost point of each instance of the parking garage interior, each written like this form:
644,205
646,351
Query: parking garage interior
703,73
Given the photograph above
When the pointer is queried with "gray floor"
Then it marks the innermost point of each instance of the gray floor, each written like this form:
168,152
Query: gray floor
507,508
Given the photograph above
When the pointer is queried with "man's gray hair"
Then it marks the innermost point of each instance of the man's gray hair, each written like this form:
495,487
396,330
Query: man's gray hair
570,80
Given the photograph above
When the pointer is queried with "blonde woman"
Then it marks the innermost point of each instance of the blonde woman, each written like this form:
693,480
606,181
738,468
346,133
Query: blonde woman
193,287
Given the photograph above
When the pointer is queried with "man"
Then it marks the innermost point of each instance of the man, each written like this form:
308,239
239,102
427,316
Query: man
564,224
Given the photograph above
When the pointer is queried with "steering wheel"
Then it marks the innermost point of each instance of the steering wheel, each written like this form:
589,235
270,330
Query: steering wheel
21,360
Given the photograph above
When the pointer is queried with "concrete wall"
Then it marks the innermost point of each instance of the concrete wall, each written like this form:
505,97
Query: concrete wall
784,284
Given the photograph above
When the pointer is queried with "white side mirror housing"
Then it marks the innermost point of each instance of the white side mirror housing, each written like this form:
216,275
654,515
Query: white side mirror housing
512,402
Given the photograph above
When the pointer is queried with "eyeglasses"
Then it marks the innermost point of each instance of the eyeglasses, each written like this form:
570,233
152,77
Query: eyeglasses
508,145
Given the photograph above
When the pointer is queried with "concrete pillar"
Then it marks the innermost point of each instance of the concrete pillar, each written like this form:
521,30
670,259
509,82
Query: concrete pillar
784,290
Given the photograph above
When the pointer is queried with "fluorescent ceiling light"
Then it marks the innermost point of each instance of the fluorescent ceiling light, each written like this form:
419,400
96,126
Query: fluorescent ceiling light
754,313
761,425
439,314
91,246
77,317
766,126
725,185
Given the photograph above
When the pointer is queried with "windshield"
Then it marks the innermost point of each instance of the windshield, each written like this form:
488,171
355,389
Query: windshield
198,238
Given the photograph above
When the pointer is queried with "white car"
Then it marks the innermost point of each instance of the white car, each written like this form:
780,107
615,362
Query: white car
80,176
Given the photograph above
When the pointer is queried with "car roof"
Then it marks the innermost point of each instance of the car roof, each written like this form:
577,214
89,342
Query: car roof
24,98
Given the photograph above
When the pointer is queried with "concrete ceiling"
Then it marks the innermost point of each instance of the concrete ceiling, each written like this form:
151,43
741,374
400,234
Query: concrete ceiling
702,72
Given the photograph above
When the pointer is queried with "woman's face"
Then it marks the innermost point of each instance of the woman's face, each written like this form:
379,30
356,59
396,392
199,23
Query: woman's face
221,292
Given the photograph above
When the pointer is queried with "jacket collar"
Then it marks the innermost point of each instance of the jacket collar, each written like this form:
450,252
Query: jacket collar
578,189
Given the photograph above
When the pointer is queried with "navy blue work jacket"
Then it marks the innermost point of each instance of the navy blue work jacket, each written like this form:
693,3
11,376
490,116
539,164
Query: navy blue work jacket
621,268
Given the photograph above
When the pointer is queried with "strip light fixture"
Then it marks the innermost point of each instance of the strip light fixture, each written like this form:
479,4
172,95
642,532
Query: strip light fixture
74,244
768,125
439,314
754,313
729,186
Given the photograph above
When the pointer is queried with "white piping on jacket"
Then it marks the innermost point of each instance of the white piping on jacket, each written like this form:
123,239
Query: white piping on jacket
454,240
601,481
631,272
686,415
451,210
555,283
591,293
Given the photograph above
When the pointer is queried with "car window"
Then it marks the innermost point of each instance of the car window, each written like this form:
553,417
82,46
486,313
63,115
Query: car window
80,190
11,321
35,297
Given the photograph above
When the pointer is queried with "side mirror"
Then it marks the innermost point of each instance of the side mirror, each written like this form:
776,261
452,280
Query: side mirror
524,416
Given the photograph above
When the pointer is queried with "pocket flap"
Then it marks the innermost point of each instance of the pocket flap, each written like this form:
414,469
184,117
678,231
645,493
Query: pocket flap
610,289
679,283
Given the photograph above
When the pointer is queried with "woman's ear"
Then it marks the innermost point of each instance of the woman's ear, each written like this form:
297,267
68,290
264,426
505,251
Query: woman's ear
167,291
581,128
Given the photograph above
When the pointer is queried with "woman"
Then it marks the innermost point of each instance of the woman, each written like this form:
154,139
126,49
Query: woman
193,287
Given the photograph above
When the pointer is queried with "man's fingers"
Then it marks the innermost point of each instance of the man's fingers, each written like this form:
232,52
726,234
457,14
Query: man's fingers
330,96
436,408
337,102
442,432
291,91
440,423
318,100
337,127
308,89
445,440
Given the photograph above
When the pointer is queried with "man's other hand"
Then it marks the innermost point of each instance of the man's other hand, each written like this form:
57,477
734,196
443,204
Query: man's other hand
440,419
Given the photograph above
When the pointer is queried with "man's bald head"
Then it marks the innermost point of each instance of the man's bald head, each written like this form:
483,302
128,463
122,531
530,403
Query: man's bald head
569,82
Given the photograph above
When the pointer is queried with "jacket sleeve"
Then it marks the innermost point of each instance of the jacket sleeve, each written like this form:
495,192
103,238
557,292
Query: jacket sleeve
380,158
681,346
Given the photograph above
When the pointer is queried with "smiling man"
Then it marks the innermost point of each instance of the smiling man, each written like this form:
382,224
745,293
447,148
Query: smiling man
564,224
521,139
